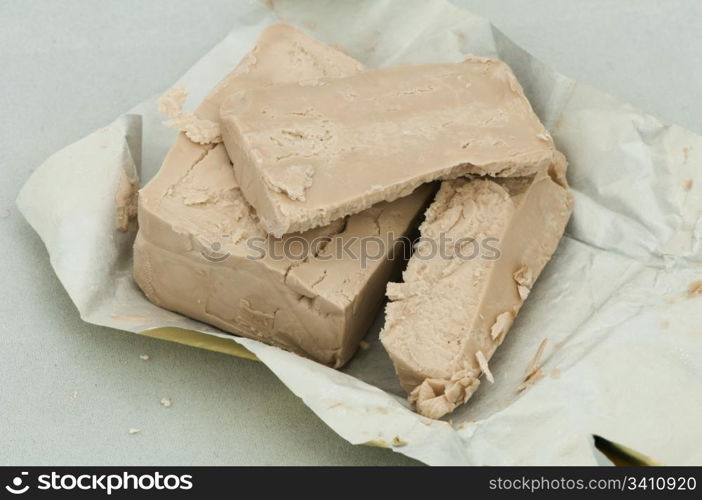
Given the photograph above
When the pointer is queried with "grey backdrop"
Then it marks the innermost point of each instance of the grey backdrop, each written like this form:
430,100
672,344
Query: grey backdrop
70,391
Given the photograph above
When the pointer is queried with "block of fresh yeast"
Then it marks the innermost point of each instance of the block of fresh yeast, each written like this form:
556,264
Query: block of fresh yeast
200,250
313,151
455,307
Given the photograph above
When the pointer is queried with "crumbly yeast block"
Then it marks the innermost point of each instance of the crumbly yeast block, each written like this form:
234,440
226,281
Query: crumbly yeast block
452,311
308,153
201,252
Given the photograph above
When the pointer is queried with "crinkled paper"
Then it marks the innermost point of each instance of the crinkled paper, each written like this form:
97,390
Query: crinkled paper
617,302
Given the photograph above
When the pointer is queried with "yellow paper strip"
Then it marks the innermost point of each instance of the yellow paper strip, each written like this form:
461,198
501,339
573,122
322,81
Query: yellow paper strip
201,340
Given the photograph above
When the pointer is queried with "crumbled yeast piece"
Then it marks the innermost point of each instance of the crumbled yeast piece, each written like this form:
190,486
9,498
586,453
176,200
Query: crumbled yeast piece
695,288
536,360
166,402
126,199
525,279
531,380
396,441
292,180
501,324
483,363
533,372
435,398
196,129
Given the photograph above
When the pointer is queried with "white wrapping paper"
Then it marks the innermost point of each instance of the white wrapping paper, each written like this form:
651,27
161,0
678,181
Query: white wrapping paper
616,303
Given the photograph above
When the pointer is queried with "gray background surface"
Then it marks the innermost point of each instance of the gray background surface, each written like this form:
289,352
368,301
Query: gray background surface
70,391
